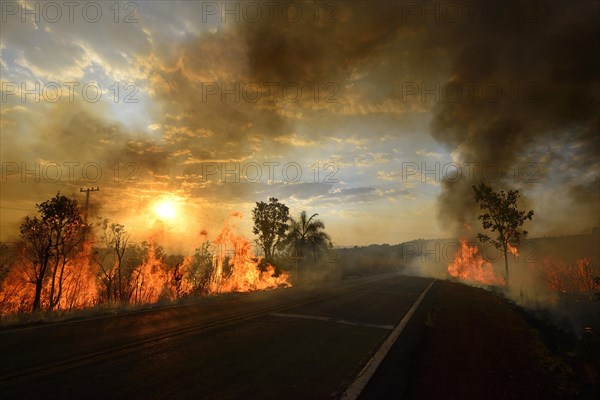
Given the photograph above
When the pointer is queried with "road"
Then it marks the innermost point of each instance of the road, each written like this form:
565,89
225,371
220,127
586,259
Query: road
296,343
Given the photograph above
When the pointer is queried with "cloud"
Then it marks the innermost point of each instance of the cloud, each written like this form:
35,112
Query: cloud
430,154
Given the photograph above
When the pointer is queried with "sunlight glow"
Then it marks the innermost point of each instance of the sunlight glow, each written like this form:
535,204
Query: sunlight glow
166,210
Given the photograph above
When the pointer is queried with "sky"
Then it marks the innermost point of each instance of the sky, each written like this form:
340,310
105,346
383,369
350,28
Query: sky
379,116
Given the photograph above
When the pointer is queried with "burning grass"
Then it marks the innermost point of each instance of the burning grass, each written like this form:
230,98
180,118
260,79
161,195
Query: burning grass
469,266
143,274
245,273
555,278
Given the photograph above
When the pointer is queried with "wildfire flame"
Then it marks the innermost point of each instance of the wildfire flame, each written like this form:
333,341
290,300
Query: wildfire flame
246,274
149,279
469,265
512,250
570,279
235,269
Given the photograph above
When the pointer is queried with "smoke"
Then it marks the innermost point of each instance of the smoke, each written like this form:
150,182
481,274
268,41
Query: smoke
550,276
546,70
528,79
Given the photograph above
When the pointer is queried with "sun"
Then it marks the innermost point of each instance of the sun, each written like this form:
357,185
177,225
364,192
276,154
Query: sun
165,209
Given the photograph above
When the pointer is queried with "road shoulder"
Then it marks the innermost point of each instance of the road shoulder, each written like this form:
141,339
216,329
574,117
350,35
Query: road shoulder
468,343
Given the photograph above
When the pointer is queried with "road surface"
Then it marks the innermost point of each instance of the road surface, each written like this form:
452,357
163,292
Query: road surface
296,343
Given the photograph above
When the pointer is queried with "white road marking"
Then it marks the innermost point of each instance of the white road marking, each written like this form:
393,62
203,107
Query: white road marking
363,377
329,319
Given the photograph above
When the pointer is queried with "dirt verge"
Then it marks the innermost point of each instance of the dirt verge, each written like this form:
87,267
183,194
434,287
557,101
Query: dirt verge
478,345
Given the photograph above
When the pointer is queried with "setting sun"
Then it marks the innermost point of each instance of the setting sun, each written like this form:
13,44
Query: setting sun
165,210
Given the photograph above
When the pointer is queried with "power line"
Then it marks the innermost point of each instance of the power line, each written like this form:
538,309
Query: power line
87,198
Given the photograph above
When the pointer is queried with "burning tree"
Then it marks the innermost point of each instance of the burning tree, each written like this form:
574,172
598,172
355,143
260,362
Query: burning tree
51,240
4,262
270,224
201,268
503,217
110,259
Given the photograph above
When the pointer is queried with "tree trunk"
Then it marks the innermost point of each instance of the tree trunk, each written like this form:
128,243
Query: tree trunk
505,248
38,295
60,281
54,271
119,283
39,281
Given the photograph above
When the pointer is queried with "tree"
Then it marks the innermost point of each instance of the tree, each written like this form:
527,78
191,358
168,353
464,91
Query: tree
37,245
50,241
202,268
110,259
307,234
270,224
501,216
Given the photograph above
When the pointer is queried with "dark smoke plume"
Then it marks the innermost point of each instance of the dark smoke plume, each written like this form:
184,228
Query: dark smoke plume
553,59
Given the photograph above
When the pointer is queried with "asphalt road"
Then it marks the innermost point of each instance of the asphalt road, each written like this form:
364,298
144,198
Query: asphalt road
296,343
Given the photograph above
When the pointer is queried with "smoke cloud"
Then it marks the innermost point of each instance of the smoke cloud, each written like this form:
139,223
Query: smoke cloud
551,56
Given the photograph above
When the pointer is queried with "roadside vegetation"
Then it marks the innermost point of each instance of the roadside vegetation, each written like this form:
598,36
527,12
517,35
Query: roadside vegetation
63,264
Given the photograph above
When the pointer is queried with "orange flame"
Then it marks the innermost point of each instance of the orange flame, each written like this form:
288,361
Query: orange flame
569,279
15,291
79,286
512,250
150,279
469,265
245,274
236,269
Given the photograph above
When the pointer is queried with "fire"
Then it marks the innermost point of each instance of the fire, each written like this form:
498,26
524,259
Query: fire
469,265
574,280
79,286
148,276
512,250
243,267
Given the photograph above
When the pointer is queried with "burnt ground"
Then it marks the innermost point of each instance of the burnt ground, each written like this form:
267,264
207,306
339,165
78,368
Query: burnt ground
478,345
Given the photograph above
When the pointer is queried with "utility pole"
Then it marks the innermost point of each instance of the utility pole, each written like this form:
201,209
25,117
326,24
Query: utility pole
87,199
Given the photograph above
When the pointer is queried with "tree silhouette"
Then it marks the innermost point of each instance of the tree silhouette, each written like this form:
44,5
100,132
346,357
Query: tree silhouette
50,241
110,259
270,224
501,216
307,234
